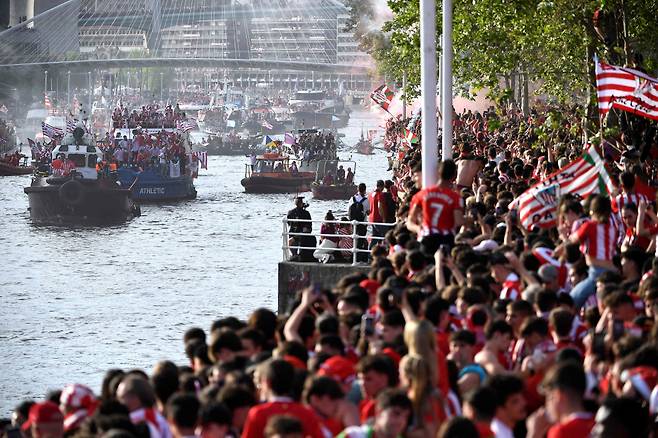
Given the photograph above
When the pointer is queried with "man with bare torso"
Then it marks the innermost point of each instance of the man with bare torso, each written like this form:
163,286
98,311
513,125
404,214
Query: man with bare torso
468,166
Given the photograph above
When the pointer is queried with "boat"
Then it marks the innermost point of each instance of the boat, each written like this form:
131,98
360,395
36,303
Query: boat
159,182
155,185
272,173
333,188
364,146
7,169
83,197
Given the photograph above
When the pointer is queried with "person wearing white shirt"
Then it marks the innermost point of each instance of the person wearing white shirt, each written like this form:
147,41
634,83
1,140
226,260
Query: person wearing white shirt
510,404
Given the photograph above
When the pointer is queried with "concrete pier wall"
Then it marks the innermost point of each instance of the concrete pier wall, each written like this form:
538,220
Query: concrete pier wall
295,276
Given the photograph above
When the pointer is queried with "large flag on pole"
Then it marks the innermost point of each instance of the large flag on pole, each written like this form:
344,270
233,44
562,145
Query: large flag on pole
382,96
538,205
626,89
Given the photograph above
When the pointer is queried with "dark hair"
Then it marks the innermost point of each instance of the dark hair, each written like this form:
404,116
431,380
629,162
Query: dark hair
465,336
264,320
504,386
458,427
320,386
447,170
334,342
561,320
253,335
534,325
379,363
627,414
224,339
280,376
483,401
389,398
235,396
183,409
546,300
230,322
327,324
194,333
521,306
499,326
281,425
165,380
294,348
567,376
434,307
215,412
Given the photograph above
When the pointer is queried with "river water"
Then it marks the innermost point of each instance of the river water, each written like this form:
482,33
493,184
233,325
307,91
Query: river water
76,302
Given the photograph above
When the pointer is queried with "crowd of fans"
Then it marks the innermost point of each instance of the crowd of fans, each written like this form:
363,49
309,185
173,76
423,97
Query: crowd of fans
466,324
149,116
315,145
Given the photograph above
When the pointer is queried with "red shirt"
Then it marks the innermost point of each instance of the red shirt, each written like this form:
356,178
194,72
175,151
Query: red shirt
600,240
259,414
577,425
375,198
366,410
438,205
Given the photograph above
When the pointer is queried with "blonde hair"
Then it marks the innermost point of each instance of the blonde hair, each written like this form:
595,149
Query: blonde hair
420,338
418,373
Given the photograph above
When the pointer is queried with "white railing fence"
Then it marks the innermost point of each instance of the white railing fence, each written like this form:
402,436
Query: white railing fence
286,235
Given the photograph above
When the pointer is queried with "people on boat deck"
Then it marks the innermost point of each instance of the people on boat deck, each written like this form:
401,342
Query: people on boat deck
340,175
328,178
279,167
293,167
68,166
349,178
12,159
58,165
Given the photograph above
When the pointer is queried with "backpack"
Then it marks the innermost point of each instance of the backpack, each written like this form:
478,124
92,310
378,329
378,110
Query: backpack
356,212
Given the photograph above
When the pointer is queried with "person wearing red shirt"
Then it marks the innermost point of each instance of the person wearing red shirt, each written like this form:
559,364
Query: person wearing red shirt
436,212
565,385
276,380
323,394
377,213
376,373
599,236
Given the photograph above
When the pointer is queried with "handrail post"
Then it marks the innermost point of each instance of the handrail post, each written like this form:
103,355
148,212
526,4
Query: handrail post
354,245
284,234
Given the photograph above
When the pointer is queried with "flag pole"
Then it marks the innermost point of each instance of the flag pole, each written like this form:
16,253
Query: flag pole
446,77
429,150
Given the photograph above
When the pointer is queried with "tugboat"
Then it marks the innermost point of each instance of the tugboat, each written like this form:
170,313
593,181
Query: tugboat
272,173
80,197
334,181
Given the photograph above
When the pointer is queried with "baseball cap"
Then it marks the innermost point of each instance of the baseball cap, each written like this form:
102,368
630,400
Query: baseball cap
548,273
338,368
486,245
45,412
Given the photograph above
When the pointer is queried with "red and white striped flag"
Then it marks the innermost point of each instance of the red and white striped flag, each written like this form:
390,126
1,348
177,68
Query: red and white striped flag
70,125
538,205
382,96
187,125
203,159
626,89
47,103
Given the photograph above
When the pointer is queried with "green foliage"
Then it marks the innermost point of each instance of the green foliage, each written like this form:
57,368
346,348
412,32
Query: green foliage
550,41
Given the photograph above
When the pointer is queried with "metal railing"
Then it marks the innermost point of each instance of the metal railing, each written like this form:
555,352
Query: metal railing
286,234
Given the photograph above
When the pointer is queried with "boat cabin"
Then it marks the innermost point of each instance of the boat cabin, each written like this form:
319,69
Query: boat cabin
270,163
84,156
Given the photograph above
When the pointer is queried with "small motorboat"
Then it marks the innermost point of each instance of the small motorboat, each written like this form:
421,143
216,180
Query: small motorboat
273,173
7,169
334,180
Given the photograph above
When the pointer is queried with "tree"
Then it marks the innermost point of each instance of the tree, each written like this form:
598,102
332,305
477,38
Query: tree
497,42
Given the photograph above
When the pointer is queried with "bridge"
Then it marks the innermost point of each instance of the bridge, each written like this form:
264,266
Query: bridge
304,36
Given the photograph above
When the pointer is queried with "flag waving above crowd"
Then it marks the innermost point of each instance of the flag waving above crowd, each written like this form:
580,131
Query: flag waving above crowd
626,89
382,96
538,205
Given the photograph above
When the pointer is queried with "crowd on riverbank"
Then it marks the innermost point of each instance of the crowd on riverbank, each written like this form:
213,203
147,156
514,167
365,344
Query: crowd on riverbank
467,324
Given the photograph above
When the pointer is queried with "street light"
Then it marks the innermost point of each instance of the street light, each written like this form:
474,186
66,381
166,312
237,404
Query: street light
161,74
45,82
